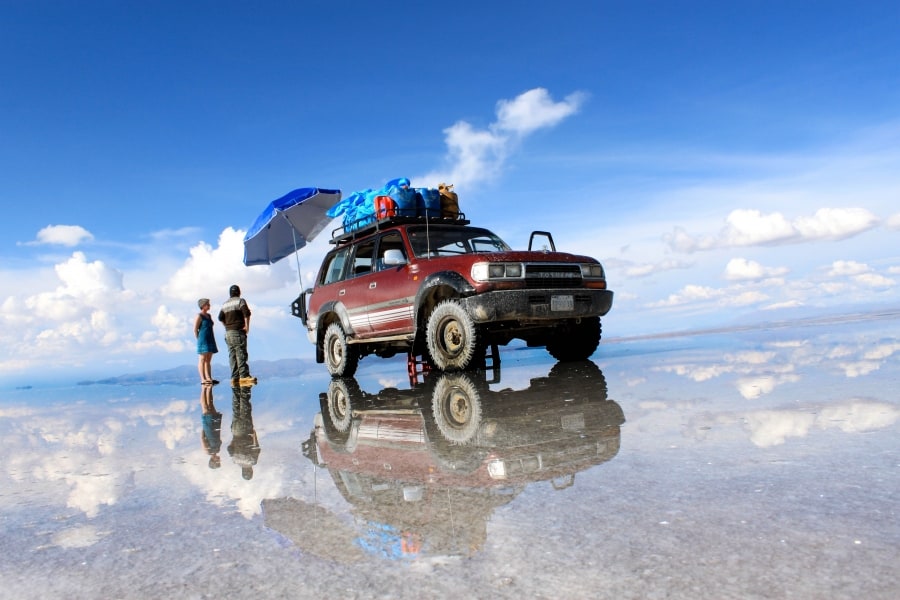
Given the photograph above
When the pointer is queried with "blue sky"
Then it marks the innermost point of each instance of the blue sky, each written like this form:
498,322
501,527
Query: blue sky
729,162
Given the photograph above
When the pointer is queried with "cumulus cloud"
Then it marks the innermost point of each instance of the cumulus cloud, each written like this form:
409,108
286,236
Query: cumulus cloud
747,227
741,269
212,269
689,293
63,235
860,273
90,313
478,154
84,286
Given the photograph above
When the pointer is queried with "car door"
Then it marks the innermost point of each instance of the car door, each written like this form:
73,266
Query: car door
353,293
392,290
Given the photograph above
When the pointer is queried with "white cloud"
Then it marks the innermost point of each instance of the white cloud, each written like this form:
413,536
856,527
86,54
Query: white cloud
744,298
740,269
689,293
748,227
210,271
874,280
533,110
474,155
847,268
63,235
860,273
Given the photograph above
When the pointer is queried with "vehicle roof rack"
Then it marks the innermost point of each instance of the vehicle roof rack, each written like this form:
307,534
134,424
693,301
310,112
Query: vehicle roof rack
369,224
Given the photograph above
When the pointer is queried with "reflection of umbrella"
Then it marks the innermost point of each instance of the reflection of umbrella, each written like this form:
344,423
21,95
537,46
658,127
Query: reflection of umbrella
312,528
287,224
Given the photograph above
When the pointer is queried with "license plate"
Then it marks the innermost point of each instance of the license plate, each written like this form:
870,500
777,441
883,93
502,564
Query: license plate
562,303
572,422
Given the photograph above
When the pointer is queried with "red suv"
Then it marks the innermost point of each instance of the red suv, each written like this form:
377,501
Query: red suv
446,291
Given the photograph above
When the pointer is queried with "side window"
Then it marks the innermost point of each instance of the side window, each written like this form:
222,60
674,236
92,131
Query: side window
390,241
362,258
335,269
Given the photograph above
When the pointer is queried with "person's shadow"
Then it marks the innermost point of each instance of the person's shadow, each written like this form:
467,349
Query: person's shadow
211,430
244,446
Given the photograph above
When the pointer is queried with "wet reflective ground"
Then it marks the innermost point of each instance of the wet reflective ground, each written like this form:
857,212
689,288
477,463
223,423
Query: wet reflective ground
751,464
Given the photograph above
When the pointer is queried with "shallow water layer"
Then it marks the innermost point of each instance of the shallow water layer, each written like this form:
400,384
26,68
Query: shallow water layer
747,464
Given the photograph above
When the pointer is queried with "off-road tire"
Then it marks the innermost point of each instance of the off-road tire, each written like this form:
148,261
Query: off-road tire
456,406
341,359
451,336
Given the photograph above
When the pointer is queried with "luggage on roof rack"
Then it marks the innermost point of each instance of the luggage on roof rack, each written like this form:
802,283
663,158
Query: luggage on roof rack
368,224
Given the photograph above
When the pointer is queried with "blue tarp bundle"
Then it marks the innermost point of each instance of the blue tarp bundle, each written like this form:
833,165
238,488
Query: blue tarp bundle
358,208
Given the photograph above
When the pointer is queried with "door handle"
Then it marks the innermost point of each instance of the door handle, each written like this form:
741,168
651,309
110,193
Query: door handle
342,292
372,285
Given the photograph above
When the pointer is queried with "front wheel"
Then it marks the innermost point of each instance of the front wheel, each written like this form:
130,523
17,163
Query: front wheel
451,336
576,341
456,407
341,359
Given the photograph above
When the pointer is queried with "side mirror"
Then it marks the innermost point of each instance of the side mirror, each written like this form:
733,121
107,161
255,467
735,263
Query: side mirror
393,258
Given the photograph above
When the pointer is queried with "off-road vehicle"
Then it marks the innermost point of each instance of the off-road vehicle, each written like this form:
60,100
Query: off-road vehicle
447,293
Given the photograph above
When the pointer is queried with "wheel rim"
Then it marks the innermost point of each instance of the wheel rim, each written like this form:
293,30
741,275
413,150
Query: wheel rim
452,337
335,351
459,409
339,407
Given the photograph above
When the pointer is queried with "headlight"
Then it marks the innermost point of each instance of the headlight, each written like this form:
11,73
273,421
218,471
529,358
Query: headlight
592,271
493,271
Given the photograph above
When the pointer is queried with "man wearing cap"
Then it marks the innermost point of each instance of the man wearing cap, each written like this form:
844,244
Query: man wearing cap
235,315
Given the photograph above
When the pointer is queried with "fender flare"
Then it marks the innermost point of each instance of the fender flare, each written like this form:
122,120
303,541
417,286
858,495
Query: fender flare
461,288
330,308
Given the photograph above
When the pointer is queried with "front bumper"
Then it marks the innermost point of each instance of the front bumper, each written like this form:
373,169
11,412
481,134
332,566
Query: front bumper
537,305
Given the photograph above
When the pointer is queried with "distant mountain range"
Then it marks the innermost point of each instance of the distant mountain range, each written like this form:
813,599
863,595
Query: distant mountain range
187,374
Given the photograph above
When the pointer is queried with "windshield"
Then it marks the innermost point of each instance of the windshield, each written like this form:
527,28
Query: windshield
444,241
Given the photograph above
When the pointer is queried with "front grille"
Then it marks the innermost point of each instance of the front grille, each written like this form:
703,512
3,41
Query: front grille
544,275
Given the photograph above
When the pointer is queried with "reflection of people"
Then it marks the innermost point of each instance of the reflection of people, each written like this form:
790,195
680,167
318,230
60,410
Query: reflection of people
206,342
244,446
235,315
211,434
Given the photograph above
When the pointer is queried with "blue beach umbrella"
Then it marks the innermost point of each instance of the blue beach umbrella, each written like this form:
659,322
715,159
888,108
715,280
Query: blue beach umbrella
287,224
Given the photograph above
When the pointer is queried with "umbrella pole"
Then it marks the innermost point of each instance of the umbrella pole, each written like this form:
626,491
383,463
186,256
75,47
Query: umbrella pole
297,256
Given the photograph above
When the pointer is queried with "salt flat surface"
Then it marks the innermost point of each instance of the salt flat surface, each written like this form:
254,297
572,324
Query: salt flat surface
761,463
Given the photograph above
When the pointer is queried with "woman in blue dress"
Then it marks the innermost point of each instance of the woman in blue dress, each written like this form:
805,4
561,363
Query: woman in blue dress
206,342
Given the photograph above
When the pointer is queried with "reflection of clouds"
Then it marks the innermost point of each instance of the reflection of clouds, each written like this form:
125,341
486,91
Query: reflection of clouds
773,427
224,485
769,428
754,387
740,362
760,372
86,458
176,429
859,368
697,373
84,461
881,351
77,537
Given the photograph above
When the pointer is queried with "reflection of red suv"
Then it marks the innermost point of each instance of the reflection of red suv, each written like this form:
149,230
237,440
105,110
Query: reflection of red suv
447,291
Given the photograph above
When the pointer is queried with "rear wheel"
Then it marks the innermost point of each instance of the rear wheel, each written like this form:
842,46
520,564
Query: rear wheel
341,359
337,411
577,341
451,336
